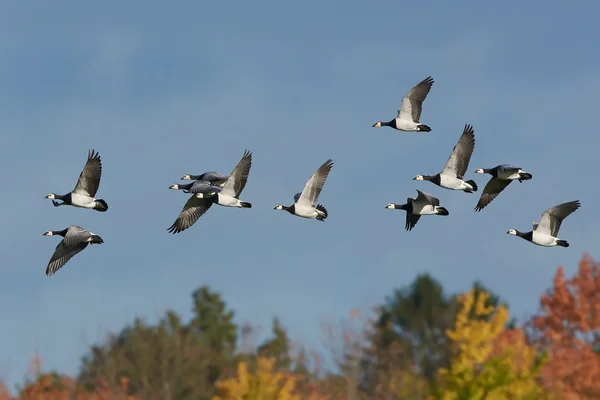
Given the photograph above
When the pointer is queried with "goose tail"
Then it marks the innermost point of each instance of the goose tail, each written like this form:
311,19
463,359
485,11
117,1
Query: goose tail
423,128
524,176
95,239
322,216
473,184
100,205
562,243
441,211
245,204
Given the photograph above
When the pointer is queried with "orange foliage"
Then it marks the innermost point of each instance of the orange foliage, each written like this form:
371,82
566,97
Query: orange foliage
514,344
570,324
53,386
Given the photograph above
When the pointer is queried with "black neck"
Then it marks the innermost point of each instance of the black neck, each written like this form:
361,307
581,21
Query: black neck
391,123
402,207
196,177
289,209
491,171
60,233
525,235
433,178
186,187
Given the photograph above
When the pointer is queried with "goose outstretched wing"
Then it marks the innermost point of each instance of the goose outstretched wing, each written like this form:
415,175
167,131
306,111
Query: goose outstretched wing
314,185
412,102
89,178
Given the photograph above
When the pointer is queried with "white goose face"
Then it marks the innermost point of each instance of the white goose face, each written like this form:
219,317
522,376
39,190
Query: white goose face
51,196
174,187
418,178
512,232
186,178
49,233
278,207
479,171
377,124
391,205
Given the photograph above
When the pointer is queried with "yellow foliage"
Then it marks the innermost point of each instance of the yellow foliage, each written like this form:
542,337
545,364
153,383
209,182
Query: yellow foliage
488,361
265,384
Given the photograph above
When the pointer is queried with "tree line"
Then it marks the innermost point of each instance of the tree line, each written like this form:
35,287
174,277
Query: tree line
420,343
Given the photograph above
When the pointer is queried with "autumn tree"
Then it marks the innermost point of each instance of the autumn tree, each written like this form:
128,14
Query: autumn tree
277,347
266,383
410,332
568,324
170,360
487,361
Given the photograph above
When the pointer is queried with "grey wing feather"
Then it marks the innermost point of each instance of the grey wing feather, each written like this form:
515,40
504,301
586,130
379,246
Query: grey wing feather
492,189
314,185
459,159
76,234
411,221
89,178
193,209
412,102
429,198
508,168
297,196
62,254
239,176
552,218
214,177
204,187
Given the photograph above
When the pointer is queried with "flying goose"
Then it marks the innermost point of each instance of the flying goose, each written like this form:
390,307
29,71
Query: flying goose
424,204
203,188
545,231
452,175
210,176
409,114
193,209
502,176
305,203
85,189
75,239
227,196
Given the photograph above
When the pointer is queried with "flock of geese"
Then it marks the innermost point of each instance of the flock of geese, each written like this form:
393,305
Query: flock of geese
212,187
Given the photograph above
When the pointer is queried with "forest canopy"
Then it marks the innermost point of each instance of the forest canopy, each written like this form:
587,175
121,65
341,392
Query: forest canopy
420,343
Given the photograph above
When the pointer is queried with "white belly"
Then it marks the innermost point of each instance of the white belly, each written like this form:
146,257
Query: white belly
452,183
426,209
305,211
79,200
228,201
543,240
509,176
406,125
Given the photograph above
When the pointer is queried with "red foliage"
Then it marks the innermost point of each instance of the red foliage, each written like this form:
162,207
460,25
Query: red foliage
569,322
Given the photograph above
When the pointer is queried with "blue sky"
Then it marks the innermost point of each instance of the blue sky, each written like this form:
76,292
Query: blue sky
161,91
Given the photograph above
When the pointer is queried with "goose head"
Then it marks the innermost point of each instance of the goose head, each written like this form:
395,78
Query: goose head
419,178
377,124
278,207
174,187
512,232
187,177
48,233
51,196
391,205
479,171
